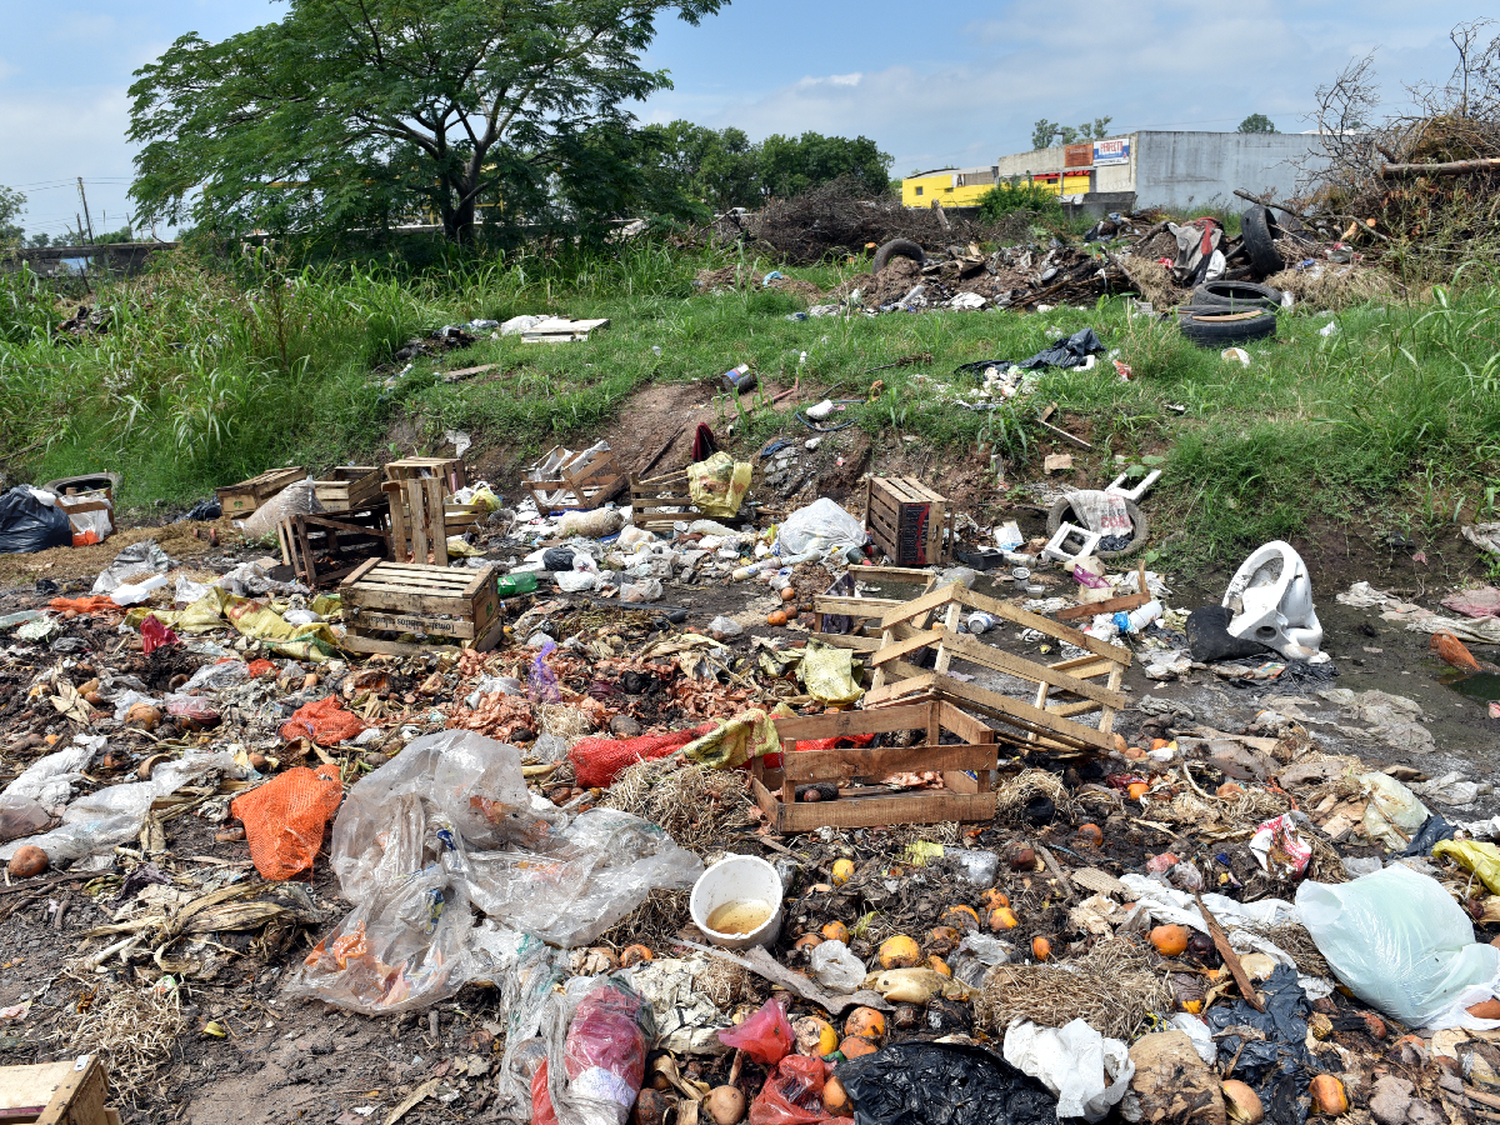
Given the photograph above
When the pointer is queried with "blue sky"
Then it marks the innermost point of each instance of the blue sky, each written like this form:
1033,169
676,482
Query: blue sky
953,83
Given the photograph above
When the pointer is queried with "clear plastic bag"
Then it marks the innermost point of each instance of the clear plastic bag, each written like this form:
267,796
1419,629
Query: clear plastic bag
599,1071
1402,945
821,526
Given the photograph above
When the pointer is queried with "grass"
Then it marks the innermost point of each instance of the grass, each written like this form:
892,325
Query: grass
211,373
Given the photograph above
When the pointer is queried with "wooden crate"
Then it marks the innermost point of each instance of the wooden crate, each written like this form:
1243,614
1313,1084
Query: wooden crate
242,499
58,1093
349,488
906,519
450,470
965,796
656,503
322,549
458,606
565,481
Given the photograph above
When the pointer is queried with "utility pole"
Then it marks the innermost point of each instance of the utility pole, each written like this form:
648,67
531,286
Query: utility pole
85,199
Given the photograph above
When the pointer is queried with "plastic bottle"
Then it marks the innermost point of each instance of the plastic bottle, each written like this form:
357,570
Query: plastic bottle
513,584
1138,619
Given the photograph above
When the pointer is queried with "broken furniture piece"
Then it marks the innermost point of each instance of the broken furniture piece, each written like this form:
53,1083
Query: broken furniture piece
906,519
452,606
1057,548
561,330
965,794
322,549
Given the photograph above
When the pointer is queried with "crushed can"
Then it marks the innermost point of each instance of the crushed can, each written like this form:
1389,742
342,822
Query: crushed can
738,379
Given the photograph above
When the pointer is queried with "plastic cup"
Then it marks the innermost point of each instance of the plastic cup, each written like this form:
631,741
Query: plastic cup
744,879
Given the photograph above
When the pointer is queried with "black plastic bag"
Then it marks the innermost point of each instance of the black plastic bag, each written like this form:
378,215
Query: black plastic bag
27,525
1209,640
1278,1066
943,1084
1066,352
205,510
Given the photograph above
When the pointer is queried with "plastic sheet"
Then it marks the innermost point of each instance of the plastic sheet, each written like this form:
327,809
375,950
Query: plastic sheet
821,526
133,562
447,824
827,672
155,635
1066,351
766,1037
1402,945
1472,855
541,681
1088,1073
597,1074
837,969
943,1084
1277,1057
1394,814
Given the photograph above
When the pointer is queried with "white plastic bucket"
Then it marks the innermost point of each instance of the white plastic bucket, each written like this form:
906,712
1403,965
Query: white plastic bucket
738,879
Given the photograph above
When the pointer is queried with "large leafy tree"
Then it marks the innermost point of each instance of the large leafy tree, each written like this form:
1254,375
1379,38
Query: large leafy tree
789,166
361,111
1257,123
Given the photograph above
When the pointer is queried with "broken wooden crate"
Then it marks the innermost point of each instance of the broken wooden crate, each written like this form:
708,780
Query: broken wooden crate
322,549
656,503
419,522
965,768
570,481
560,330
451,471
1060,692
58,1093
349,488
906,519
242,499
459,607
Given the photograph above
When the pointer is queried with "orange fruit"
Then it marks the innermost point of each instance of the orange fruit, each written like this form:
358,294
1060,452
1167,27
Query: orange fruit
899,952
1003,918
866,1023
1041,948
1170,941
961,917
836,931
856,1045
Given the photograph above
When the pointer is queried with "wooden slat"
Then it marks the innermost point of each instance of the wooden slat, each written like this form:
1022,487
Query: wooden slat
414,623
847,764
999,661
1109,605
1006,708
914,643
853,607
844,723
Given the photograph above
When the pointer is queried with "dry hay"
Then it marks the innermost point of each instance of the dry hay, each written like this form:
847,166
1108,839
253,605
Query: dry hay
1332,286
949,833
698,807
655,923
563,720
1292,939
134,1029
1012,797
725,983
1112,986
1154,281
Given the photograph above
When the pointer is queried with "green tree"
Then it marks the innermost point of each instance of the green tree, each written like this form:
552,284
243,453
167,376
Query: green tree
714,168
12,203
360,112
1045,134
1257,123
789,166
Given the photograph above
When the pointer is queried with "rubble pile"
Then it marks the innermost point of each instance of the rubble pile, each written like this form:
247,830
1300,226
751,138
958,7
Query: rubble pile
831,840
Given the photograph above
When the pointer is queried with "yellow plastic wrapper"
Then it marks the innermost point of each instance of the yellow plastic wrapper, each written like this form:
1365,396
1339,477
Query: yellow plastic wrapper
827,673
747,735
461,548
251,618
718,485
1472,855
486,499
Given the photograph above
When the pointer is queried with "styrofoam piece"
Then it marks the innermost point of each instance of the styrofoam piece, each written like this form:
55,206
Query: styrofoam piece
1055,551
1134,495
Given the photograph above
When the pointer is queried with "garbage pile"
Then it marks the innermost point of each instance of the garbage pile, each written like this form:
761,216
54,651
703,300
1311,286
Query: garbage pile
835,841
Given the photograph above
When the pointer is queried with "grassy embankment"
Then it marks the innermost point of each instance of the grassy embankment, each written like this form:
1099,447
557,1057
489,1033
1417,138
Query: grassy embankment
204,378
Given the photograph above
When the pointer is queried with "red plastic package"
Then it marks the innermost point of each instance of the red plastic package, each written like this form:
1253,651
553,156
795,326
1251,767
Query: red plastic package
766,1036
155,635
597,762
793,1095
604,1054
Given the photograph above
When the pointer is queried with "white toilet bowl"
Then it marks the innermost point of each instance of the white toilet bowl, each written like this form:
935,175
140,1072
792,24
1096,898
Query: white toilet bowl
1271,600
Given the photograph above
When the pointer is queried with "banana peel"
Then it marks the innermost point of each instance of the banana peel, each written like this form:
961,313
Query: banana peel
916,986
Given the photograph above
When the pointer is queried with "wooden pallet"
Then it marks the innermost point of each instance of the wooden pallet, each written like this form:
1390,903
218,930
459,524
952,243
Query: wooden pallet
568,481
450,470
349,488
57,1093
321,549
906,519
656,503
560,330
966,768
449,606
930,624
242,499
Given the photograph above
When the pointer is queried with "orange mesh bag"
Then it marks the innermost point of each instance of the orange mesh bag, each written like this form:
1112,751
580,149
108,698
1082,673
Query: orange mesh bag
285,818
324,721
598,761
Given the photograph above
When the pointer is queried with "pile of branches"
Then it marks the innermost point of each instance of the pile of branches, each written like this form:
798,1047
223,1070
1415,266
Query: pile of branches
1422,190
841,218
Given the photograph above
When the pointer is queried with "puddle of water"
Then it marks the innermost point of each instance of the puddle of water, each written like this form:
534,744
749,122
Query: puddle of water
1482,685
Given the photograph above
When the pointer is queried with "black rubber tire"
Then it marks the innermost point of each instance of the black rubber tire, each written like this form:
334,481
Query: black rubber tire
1062,512
1237,296
898,248
1214,330
1259,230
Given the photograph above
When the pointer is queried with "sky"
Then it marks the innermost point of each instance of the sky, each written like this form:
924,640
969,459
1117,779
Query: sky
957,83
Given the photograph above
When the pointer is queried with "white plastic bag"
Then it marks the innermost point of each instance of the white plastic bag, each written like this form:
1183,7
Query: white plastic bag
297,499
138,559
1088,1073
1402,945
821,526
1394,814
836,969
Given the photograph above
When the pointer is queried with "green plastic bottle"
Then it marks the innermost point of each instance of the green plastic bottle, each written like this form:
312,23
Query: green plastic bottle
513,584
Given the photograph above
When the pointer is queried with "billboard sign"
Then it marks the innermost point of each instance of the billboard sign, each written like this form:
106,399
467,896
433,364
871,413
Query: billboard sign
1116,151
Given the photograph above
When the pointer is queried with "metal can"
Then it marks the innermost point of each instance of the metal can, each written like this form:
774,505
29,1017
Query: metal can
738,379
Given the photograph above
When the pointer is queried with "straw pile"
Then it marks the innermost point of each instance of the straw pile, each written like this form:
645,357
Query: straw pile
1112,986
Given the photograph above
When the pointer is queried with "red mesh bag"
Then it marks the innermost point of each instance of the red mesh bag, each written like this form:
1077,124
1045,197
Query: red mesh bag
324,721
598,761
285,819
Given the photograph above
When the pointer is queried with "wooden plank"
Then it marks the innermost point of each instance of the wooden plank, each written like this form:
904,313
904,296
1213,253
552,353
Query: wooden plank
849,640
1123,603
843,723
1016,709
414,623
882,761
436,526
853,607
963,724
928,602
919,807
362,571
898,649
354,642
893,573
998,660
